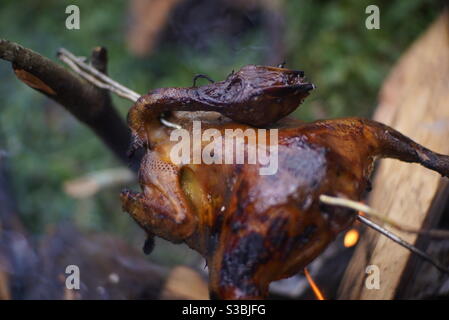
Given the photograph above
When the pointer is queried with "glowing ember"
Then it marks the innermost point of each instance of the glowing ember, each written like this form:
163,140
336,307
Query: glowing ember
351,238
313,285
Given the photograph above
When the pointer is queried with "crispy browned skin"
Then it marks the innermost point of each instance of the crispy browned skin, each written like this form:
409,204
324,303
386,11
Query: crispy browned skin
255,229
255,95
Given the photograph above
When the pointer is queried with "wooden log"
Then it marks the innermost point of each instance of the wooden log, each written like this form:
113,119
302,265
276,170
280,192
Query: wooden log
414,99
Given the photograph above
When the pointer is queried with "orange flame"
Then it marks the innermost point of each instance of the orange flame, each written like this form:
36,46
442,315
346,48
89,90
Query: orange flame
351,238
313,285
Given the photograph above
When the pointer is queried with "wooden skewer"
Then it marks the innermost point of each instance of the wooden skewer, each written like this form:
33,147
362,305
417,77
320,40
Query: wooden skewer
368,210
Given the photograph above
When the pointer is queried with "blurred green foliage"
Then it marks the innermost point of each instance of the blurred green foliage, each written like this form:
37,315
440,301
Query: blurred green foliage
46,146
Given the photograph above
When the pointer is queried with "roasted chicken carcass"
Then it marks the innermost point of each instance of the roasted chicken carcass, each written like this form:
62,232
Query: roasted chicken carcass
254,229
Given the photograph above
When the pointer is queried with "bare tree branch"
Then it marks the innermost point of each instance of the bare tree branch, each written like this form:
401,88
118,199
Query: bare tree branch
101,80
89,104
16,251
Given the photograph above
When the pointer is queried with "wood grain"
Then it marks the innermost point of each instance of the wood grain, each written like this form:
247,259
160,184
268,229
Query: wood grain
414,99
